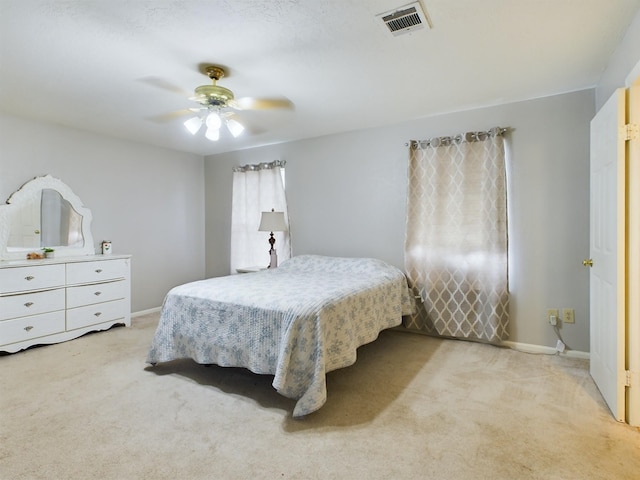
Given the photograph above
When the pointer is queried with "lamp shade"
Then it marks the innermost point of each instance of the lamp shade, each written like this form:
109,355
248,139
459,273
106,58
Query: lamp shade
213,121
235,127
212,134
272,222
193,125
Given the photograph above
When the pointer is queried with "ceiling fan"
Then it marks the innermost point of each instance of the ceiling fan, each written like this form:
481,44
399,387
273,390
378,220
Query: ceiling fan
217,105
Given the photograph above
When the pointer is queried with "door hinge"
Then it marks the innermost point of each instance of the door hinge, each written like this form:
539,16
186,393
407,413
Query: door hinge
630,131
627,378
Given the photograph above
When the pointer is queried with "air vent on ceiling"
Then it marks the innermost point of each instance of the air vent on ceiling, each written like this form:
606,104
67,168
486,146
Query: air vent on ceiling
405,19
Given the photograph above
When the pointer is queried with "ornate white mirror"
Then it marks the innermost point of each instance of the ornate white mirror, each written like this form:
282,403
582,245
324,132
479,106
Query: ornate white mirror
45,212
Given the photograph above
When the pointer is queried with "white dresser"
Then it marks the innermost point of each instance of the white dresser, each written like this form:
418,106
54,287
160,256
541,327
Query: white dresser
53,300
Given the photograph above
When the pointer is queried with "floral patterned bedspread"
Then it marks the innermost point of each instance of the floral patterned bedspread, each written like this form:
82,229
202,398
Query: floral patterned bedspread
296,322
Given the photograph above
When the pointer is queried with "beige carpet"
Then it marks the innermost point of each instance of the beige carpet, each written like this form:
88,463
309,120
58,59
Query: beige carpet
411,407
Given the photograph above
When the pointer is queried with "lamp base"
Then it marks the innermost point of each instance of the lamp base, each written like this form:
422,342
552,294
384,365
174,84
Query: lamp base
274,258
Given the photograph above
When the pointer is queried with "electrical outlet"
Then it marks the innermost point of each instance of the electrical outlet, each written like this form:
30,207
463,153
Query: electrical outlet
568,315
552,313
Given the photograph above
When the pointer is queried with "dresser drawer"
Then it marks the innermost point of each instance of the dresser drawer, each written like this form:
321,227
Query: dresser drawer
91,272
22,279
96,293
27,328
94,314
33,303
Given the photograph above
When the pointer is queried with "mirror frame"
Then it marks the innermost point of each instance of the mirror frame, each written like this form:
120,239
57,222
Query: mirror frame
32,191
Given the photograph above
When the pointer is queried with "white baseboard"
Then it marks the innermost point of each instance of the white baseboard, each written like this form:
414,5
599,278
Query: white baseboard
145,312
521,347
541,349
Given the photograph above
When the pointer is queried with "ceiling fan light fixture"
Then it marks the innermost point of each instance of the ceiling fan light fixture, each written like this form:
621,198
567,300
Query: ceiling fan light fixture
235,127
216,105
193,125
213,134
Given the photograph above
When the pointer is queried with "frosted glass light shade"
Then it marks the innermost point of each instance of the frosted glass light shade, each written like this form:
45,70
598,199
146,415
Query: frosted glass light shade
213,134
193,125
235,127
213,121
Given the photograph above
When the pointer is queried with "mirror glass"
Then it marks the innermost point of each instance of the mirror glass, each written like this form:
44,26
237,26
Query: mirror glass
44,213
48,221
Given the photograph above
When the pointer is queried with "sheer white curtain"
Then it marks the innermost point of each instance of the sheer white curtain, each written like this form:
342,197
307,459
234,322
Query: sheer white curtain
456,236
257,188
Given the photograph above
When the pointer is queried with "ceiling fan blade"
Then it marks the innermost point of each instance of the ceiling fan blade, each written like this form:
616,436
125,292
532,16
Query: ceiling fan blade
198,98
249,103
168,117
164,84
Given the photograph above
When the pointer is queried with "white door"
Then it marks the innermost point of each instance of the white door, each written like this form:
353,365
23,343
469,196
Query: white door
607,245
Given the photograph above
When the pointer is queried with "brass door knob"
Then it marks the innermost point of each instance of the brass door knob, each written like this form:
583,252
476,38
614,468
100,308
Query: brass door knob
587,262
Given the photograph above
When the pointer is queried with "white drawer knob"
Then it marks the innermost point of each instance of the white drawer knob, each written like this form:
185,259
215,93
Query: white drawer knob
28,304
97,293
29,278
29,327
99,270
97,314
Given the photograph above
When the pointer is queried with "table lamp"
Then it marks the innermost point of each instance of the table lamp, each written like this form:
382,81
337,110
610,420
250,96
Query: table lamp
272,222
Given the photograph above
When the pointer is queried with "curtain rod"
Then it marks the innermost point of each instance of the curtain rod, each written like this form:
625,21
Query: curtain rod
260,166
456,139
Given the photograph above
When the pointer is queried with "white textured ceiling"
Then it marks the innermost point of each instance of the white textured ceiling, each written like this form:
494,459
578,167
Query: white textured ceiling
117,67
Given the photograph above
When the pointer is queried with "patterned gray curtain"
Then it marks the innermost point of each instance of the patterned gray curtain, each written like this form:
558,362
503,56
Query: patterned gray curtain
456,236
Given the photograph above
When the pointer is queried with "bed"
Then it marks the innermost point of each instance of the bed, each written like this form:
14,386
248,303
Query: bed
296,322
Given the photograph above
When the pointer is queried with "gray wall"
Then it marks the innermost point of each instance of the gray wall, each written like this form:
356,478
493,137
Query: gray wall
622,62
148,201
347,196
